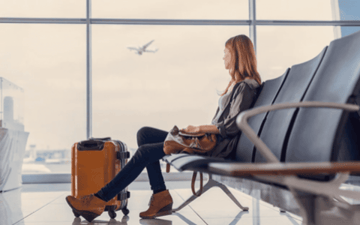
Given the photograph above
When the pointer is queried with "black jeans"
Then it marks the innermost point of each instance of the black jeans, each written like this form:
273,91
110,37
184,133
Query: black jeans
151,142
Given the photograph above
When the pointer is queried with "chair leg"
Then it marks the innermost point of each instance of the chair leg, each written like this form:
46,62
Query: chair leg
207,186
231,196
212,183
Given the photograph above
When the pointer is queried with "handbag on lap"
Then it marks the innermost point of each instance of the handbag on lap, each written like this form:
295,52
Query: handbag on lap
195,143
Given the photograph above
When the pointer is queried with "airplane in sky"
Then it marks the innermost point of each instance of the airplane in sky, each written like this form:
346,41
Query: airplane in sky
143,49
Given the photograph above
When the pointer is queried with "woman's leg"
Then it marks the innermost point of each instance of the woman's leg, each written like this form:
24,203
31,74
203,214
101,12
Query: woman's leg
149,135
161,201
147,155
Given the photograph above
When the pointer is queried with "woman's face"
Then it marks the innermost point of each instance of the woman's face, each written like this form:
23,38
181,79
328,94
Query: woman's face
227,58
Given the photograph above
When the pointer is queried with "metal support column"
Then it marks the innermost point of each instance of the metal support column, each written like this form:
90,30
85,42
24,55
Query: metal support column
252,18
88,72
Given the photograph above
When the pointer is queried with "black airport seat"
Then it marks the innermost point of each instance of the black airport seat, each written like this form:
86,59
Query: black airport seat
308,134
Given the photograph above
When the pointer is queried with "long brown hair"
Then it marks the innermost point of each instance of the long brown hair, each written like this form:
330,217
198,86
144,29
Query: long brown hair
243,62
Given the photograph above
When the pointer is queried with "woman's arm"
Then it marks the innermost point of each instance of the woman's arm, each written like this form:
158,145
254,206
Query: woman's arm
243,97
202,128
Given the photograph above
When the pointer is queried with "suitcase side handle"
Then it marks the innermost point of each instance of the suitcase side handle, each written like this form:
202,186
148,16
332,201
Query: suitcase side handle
123,155
123,195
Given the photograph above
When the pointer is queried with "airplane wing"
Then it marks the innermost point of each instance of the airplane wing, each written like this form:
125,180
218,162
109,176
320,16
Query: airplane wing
151,50
132,48
145,46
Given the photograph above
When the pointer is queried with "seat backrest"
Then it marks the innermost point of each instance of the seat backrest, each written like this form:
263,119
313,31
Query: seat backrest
267,95
318,133
277,123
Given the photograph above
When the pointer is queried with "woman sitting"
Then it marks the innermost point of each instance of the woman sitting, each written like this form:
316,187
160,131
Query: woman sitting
239,95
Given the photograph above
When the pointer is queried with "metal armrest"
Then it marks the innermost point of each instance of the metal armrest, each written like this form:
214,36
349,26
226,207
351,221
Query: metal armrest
274,169
242,121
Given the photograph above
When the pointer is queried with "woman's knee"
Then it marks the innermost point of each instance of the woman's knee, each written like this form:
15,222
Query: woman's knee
149,152
141,135
142,153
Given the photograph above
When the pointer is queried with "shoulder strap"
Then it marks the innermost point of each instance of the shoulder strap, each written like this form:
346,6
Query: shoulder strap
231,98
233,91
193,184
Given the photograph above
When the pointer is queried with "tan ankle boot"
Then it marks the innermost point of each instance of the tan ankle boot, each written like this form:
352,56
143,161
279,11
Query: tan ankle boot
88,206
160,205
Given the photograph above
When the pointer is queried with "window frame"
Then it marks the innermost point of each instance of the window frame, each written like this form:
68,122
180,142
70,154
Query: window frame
252,23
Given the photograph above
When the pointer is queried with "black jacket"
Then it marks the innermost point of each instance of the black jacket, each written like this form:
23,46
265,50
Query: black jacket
241,98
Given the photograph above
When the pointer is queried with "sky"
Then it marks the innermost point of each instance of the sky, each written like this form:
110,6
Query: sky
178,85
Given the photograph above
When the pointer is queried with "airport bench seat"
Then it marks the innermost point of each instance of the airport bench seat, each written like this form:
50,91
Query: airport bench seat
300,139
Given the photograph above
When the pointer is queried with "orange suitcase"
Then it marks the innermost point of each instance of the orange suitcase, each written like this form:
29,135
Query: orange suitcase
94,163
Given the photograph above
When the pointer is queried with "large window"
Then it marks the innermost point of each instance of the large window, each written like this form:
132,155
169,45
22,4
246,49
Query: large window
45,46
163,9
280,47
295,10
177,85
48,63
43,8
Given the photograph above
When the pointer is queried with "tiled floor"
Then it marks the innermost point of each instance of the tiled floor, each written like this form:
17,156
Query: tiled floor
40,204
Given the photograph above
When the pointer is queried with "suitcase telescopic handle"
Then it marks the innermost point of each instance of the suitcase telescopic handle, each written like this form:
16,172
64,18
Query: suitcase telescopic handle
101,139
91,145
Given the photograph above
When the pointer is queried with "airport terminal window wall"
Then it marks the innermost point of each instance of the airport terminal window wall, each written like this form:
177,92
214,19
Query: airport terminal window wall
47,58
177,85
48,62
294,10
280,47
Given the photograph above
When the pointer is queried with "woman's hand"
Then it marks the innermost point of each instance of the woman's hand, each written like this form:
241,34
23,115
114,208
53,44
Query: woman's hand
203,128
191,129
209,129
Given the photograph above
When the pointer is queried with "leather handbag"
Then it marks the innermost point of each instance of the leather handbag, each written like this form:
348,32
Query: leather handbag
194,143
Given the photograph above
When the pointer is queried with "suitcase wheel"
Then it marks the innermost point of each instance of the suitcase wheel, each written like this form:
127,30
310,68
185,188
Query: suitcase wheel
112,213
125,211
77,215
